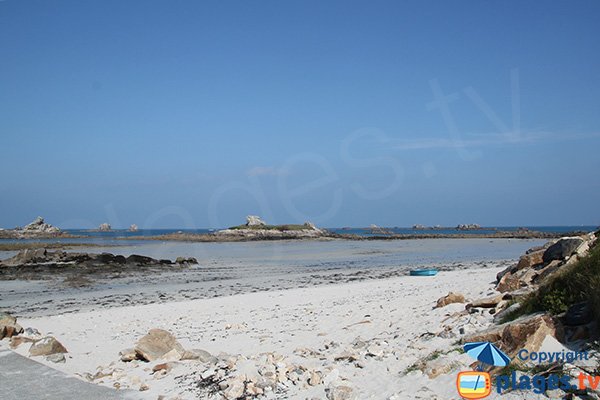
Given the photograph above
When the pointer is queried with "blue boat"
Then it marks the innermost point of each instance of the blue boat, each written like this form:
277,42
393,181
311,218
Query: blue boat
423,272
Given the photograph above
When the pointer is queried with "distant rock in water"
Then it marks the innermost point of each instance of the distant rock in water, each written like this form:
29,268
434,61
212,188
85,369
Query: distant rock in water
105,227
133,228
36,229
377,230
256,229
39,226
468,227
253,220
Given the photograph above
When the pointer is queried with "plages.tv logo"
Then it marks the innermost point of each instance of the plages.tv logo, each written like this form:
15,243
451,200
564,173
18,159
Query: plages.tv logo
473,384
478,384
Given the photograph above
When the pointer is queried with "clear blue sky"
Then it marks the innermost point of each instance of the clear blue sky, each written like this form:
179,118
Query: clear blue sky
195,114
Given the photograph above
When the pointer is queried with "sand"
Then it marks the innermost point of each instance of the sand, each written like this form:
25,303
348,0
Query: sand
389,324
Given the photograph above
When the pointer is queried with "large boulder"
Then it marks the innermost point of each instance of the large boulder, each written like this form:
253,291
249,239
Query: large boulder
562,249
253,220
159,344
516,280
46,346
527,332
450,298
530,260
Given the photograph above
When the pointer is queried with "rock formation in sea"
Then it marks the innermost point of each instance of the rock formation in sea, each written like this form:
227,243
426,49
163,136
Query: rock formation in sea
257,229
105,227
253,220
133,228
468,227
39,226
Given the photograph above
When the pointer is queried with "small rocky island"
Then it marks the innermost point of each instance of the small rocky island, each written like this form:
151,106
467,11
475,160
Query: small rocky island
256,228
37,229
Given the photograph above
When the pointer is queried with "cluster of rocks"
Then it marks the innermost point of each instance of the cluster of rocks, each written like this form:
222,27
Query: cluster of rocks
38,228
105,227
230,377
79,268
533,269
46,346
468,227
539,263
43,257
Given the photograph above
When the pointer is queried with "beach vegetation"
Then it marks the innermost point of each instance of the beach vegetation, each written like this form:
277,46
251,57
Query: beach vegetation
575,283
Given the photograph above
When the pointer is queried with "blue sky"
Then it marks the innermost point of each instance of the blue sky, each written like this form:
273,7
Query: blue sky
345,113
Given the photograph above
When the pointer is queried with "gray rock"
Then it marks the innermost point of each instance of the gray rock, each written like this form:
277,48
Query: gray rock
340,393
501,314
562,249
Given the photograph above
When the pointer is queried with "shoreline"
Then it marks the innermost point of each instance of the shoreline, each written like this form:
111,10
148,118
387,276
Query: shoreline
214,238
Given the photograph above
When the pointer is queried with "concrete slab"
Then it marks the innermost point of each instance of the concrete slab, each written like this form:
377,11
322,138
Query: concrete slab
23,378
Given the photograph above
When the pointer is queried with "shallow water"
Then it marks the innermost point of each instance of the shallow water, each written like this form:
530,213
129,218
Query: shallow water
232,268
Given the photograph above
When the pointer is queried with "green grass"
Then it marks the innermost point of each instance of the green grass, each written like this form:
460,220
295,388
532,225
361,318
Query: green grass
572,284
289,227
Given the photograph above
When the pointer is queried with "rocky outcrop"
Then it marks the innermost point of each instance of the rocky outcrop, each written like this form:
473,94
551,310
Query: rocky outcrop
38,228
527,332
540,264
256,229
105,227
39,264
562,249
133,228
450,298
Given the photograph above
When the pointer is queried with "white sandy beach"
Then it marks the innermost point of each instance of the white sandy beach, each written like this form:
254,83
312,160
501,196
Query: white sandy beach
363,335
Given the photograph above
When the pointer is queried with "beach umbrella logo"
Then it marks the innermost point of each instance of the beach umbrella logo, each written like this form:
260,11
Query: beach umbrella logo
487,353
